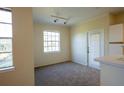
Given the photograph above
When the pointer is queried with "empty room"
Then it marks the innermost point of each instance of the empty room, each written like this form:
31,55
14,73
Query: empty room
62,46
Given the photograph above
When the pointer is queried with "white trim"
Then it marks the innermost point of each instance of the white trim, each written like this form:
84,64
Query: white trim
6,38
7,69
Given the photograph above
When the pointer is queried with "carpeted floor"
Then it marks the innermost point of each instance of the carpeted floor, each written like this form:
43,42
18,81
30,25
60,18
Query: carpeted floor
67,74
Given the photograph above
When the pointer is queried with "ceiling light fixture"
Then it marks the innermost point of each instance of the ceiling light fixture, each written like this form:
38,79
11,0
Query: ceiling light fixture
57,18
64,22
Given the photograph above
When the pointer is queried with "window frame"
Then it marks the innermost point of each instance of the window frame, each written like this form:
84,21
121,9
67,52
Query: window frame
11,67
59,42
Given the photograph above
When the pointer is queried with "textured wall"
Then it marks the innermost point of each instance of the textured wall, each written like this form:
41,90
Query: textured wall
22,49
42,58
79,37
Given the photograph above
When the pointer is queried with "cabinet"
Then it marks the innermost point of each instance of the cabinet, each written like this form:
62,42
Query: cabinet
116,39
116,49
116,33
112,70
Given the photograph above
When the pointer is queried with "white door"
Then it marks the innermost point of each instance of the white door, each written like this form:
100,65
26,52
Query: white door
95,47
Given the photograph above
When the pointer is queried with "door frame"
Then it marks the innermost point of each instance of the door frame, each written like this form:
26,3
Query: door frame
102,43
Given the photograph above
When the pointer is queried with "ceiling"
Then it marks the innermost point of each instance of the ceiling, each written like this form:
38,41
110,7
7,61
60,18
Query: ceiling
73,14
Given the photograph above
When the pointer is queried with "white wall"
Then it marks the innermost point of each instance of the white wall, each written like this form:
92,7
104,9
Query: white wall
42,58
22,49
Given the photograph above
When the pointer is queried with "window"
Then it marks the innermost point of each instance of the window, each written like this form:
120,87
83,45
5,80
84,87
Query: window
51,41
5,38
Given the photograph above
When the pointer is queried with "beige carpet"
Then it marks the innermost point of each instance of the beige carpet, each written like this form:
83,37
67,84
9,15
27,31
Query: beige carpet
67,74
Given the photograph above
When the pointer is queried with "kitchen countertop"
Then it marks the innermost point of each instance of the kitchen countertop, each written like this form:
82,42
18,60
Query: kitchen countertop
117,60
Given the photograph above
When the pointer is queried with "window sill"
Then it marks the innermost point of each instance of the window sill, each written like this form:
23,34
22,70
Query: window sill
53,52
8,69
